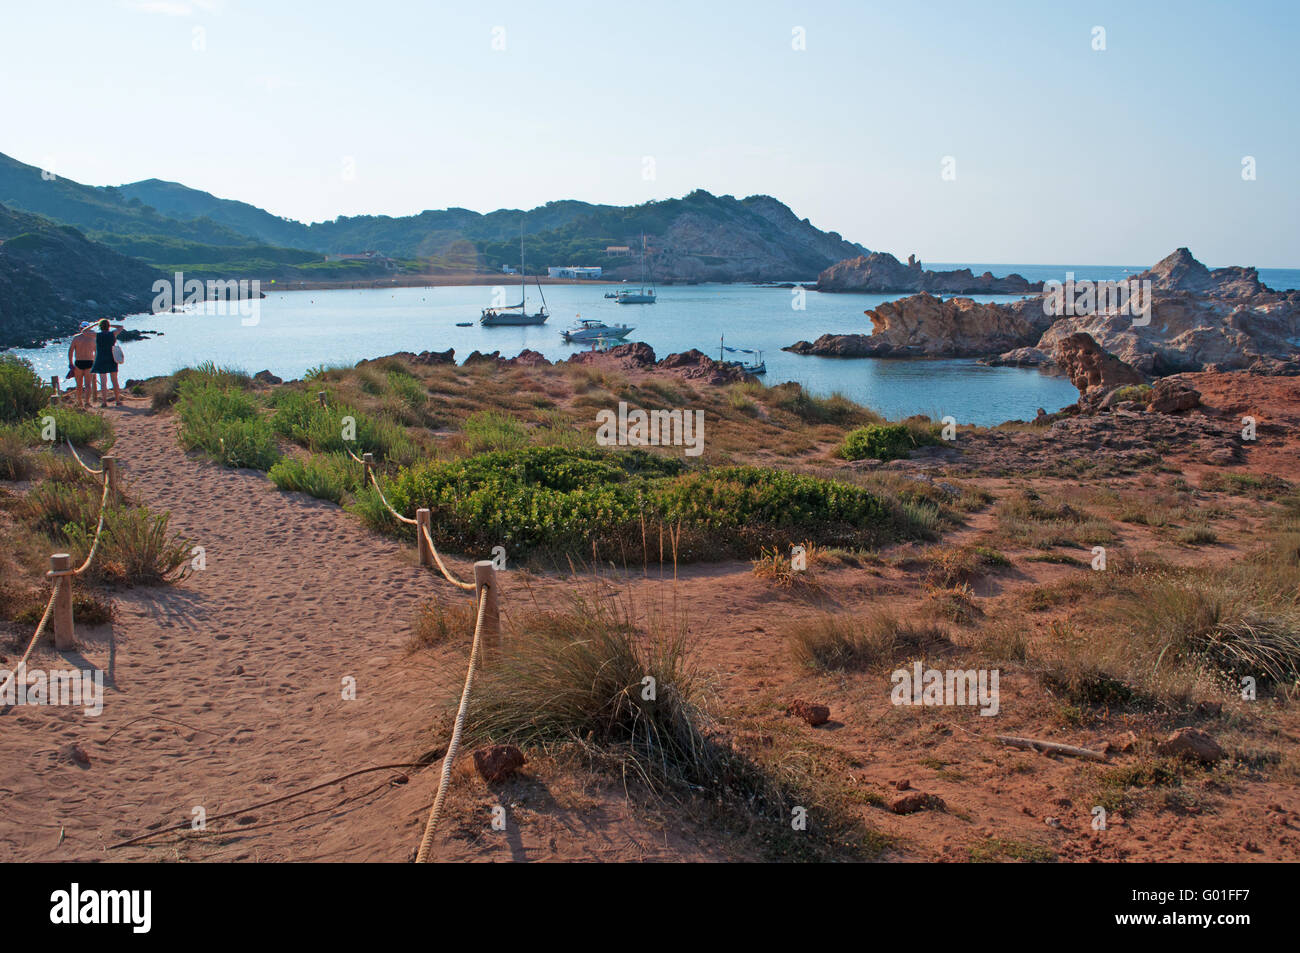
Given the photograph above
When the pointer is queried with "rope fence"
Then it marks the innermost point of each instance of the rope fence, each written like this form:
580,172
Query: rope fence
487,622
61,574
487,626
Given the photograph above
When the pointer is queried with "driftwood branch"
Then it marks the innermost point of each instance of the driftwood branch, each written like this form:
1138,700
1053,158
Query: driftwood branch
1051,747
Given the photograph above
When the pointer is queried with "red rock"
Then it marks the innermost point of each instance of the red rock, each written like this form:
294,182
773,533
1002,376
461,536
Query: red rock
902,785
1194,744
1171,396
813,714
496,763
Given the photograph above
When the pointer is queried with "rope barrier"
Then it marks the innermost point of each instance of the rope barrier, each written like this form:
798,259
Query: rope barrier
99,532
454,746
58,575
410,522
79,460
40,629
384,499
424,531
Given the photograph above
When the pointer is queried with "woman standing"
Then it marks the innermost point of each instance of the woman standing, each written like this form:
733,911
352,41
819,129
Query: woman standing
105,366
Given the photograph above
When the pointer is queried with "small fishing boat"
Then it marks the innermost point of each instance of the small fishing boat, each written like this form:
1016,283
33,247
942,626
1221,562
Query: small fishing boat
757,366
590,329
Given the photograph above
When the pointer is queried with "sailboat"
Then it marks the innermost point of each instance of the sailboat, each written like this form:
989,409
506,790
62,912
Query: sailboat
755,367
517,314
642,296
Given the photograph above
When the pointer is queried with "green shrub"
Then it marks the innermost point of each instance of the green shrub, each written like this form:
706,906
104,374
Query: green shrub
1138,392
223,421
881,442
324,476
321,429
21,391
555,498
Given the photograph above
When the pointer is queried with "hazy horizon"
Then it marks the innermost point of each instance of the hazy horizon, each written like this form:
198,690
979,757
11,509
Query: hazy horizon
1062,152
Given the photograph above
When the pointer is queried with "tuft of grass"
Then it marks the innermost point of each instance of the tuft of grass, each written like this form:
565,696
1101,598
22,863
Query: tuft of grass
224,422
1198,536
837,641
1244,622
137,547
436,623
489,430
331,476
15,462
1002,849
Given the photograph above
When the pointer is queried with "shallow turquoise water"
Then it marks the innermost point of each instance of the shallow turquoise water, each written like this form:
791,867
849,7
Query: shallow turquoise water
302,329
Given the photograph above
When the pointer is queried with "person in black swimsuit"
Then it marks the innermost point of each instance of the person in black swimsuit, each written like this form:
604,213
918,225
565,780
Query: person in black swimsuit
104,365
81,357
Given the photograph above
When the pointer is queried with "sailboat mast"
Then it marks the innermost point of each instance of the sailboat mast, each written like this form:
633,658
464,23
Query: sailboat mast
523,275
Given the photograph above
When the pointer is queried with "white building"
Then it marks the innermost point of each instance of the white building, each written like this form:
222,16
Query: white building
573,271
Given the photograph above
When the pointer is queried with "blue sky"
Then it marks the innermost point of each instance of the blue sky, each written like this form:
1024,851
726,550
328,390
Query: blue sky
1063,153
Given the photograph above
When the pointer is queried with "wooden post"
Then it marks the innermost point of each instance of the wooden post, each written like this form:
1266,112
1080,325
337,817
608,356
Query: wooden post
63,628
485,576
422,523
110,473
321,396
54,382
368,459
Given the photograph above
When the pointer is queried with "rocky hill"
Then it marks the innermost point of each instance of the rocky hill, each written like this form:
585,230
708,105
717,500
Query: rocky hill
700,237
882,273
52,277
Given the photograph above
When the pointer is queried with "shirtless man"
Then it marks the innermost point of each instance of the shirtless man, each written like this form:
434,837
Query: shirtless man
81,355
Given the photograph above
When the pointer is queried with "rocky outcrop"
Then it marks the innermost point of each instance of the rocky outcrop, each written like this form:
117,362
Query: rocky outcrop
1090,366
1181,272
697,366
1200,319
1186,333
882,272
925,326
625,356
1169,395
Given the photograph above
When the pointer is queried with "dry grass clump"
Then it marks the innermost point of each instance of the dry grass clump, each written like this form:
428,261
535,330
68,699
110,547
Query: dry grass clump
953,565
953,604
776,566
837,641
1030,520
437,622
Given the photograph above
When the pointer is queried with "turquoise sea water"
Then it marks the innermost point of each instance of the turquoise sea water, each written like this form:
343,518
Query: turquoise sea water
298,330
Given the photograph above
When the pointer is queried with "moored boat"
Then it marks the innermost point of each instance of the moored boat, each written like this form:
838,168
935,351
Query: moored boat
590,329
